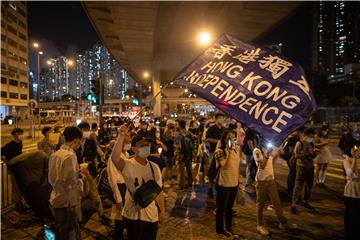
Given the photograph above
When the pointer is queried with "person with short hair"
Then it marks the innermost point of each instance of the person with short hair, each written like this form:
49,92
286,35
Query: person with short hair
140,223
8,152
15,146
64,178
45,145
305,153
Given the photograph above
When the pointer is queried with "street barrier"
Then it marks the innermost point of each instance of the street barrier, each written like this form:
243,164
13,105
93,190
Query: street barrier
6,187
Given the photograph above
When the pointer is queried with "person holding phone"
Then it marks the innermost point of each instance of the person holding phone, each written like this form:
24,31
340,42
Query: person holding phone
227,158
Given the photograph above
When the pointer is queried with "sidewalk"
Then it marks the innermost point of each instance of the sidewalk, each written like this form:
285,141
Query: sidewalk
190,216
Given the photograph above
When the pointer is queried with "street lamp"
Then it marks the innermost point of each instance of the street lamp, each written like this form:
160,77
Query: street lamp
204,38
146,74
37,46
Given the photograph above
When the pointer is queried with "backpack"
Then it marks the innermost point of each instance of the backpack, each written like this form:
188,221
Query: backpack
187,147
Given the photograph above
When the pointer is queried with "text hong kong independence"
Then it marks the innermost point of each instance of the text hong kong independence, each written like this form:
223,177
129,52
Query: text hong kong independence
218,76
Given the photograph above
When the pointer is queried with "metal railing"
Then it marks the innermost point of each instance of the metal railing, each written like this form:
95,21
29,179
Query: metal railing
6,187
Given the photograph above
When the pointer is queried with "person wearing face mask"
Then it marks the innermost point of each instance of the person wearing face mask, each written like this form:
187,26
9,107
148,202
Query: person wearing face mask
305,153
66,185
8,152
347,141
140,223
227,157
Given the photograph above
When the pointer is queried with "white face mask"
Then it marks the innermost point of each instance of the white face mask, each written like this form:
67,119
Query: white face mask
144,152
127,147
309,140
86,134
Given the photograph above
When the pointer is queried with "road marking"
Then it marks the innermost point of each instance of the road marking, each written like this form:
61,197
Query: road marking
336,169
337,176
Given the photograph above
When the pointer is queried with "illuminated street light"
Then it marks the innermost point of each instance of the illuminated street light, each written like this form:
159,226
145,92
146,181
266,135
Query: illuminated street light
49,62
41,53
36,45
70,62
204,38
146,74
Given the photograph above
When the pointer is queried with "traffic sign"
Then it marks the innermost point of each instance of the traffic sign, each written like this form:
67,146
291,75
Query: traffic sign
32,103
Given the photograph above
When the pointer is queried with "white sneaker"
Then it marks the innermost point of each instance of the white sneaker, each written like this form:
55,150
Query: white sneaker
166,185
262,230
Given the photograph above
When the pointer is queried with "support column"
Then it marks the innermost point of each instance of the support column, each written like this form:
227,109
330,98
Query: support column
156,89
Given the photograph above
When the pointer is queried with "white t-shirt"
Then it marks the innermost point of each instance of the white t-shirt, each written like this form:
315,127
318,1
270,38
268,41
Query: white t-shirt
268,172
115,177
136,174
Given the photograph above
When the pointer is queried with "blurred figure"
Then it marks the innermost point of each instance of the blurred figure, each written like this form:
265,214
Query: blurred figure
305,153
248,149
94,133
323,157
347,141
213,135
289,156
185,152
352,195
64,178
44,144
8,152
168,138
87,153
15,146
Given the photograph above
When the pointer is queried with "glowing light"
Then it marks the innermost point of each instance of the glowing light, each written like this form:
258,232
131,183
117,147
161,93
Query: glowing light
204,38
36,45
146,74
41,53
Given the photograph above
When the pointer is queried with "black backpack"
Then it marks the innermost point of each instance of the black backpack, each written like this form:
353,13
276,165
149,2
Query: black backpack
187,147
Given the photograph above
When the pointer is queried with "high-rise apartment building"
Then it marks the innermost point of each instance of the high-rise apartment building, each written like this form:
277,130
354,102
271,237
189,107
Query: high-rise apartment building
14,57
62,78
336,38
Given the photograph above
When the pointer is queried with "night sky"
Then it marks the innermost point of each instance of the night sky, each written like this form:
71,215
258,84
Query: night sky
63,28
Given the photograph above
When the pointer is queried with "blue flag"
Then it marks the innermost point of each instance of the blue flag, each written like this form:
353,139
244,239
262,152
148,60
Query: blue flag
258,87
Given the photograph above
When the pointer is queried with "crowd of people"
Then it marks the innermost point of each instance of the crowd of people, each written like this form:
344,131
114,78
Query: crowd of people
149,155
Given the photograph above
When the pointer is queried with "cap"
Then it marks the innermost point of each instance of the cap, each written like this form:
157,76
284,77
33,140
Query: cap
139,137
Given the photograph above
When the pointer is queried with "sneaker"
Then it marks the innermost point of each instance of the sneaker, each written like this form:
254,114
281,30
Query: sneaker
224,234
234,235
262,230
270,207
308,206
287,226
293,210
166,185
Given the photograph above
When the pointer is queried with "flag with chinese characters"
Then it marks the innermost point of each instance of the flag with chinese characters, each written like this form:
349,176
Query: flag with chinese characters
258,87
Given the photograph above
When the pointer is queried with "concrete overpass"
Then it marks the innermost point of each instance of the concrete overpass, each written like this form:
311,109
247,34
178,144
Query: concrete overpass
160,38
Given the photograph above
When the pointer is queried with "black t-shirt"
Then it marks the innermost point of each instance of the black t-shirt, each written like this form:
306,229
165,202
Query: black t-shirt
11,150
215,133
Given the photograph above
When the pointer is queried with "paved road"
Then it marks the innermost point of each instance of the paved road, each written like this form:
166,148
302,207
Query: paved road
190,214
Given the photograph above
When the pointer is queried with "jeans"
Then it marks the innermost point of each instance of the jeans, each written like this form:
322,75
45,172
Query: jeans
304,180
67,227
140,230
291,176
263,189
185,168
225,199
249,180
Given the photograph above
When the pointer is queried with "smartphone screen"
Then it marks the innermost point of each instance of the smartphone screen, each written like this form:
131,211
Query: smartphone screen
48,233
160,150
229,143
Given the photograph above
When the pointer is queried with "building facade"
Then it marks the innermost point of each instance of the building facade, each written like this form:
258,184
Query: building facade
14,58
336,38
74,80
